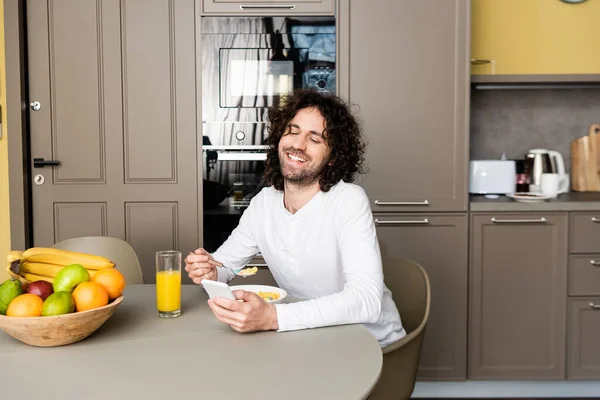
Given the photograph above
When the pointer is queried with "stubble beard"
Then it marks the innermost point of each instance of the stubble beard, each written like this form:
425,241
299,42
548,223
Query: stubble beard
302,178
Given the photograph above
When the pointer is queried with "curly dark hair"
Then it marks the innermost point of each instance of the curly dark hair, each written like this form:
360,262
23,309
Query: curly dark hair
342,135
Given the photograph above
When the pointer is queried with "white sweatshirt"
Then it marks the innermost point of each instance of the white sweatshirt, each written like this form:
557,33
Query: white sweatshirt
326,254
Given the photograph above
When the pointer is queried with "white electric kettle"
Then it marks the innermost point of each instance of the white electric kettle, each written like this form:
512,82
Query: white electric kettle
543,161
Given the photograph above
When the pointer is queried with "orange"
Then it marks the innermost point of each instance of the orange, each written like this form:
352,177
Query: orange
89,295
112,280
25,305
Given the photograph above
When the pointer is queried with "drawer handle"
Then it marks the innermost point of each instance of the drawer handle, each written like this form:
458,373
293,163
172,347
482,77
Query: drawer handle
408,222
255,6
594,219
595,263
402,203
542,220
594,306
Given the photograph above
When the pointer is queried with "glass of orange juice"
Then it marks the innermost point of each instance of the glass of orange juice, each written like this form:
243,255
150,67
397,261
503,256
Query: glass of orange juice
168,283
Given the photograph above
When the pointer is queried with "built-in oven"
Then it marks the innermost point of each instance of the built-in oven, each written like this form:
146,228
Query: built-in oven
249,64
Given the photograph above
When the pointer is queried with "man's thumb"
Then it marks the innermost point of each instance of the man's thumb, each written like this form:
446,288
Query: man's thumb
242,295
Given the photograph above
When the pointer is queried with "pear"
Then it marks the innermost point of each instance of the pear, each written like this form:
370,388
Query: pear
69,277
10,289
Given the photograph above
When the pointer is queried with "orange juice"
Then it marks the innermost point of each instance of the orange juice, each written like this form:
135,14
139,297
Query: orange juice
168,291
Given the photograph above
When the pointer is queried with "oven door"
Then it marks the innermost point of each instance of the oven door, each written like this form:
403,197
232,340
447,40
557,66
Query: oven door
232,176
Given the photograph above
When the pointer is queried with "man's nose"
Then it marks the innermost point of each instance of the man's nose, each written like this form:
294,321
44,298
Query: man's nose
299,142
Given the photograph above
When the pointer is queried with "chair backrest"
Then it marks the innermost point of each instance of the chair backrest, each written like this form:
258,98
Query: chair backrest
411,292
117,250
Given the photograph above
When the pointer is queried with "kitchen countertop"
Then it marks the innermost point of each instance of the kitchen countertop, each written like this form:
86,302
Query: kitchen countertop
572,201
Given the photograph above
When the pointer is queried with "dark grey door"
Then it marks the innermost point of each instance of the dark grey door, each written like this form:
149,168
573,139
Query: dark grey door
404,64
115,104
518,290
439,244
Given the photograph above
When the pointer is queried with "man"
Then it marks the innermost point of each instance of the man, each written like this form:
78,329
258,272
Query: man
313,227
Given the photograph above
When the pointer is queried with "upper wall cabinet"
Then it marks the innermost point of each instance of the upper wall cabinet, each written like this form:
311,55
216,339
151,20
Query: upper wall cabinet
404,65
535,37
268,7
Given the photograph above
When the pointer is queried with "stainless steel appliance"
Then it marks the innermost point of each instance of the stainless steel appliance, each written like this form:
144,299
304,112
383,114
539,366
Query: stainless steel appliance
547,161
249,64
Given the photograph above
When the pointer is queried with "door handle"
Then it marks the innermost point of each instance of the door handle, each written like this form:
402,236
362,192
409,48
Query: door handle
260,6
541,220
41,163
402,203
594,306
401,222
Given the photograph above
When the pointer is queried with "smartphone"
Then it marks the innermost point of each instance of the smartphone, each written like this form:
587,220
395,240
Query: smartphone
217,289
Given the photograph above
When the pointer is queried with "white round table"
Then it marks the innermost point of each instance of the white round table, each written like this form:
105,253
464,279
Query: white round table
136,355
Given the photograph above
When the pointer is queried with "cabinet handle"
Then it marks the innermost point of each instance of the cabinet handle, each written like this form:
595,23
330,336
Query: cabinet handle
256,6
256,265
594,306
408,222
477,61
594,219
595,263
402,203
542,220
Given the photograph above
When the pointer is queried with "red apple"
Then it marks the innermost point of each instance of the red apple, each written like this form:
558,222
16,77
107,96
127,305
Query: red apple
40,288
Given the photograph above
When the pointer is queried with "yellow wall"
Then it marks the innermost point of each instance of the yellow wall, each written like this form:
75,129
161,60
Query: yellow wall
4,204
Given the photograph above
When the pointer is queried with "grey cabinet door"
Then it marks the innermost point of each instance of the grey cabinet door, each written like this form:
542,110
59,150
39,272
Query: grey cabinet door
116,86
439,244
518,290
268,7
404,64
583,344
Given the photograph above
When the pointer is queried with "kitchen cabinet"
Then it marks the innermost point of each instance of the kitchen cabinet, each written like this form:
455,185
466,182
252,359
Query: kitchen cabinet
583,347
404,64
583,344
268,7
517,300
585,232
439,243
534,37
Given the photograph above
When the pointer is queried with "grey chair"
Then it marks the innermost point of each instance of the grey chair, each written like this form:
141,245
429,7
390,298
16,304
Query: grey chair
117,250
411,291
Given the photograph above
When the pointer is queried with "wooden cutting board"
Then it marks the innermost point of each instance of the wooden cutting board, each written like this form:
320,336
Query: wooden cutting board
585,161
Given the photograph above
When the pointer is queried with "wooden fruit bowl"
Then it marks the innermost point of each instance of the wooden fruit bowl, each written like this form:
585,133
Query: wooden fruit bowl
59,330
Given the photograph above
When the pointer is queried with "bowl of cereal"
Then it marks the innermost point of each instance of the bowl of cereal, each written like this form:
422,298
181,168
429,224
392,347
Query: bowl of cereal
270,294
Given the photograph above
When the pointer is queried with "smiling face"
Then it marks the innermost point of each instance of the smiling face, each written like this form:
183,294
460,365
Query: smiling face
303,150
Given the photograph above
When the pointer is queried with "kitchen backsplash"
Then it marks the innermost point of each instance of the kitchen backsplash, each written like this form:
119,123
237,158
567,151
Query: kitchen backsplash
514,121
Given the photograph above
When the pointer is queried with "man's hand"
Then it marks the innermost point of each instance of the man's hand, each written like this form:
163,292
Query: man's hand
198,268
254,314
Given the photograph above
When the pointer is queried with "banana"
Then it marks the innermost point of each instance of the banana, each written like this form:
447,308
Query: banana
14,275
34,277
65,257
14,255
42,269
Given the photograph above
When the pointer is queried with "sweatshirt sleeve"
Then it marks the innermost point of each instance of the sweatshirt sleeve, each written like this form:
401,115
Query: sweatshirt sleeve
361,298
240,246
